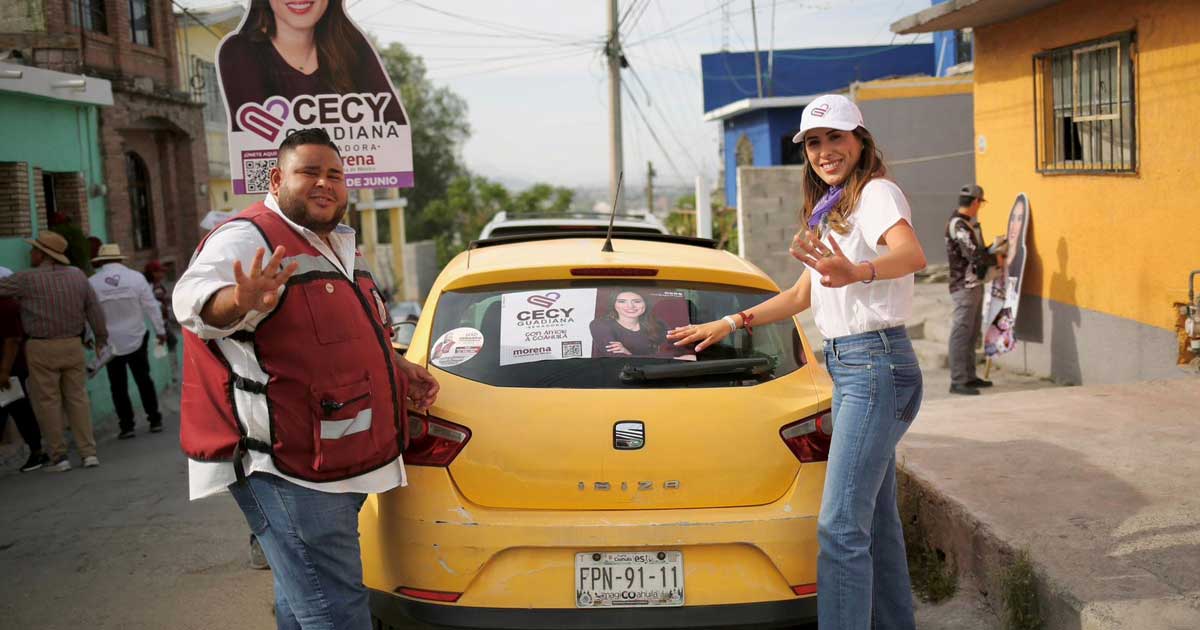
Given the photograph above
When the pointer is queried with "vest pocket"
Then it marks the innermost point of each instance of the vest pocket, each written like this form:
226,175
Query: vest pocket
332,304
342,436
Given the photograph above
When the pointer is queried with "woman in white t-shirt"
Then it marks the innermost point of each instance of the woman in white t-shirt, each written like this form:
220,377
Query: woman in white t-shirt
858,243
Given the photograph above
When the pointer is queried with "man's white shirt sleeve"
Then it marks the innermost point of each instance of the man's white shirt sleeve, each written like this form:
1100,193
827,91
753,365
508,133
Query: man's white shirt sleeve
210,271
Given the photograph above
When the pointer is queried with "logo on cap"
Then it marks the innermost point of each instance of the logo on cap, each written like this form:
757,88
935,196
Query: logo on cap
821,110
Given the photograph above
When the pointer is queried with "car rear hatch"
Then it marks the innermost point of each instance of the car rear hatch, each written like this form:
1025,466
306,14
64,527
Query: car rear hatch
559,418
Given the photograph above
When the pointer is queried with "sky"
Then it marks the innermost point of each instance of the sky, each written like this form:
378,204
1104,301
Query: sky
535,81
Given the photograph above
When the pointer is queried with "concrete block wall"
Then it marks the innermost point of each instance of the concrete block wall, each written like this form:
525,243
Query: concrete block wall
768,205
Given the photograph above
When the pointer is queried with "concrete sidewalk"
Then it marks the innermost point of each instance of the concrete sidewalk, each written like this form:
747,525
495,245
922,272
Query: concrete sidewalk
1098,484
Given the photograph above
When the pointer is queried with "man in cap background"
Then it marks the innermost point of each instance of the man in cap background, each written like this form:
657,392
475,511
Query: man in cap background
128,299
970,260
57,304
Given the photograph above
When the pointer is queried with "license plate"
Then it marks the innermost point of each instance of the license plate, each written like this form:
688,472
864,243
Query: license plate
628,579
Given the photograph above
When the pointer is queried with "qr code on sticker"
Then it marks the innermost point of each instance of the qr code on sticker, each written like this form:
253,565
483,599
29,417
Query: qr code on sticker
572,349
257,174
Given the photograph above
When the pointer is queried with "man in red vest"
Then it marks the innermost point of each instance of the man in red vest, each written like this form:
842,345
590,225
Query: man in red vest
292,396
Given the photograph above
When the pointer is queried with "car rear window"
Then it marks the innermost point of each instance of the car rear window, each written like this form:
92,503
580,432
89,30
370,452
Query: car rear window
583,334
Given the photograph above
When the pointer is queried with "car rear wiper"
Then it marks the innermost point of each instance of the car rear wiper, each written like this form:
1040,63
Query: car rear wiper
753,367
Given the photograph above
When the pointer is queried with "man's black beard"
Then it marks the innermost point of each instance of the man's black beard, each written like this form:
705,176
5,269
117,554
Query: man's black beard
296,210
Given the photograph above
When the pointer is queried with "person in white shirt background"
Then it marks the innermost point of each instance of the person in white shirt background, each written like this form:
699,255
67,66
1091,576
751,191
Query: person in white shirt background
858,242
128,300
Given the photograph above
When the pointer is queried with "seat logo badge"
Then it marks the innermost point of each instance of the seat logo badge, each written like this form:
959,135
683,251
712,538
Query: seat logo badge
629,435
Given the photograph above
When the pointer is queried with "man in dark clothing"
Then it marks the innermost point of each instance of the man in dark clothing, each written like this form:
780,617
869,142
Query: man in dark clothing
970,259
12,364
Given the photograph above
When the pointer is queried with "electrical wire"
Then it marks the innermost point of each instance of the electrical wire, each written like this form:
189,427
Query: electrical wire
500,27
511,66
645,121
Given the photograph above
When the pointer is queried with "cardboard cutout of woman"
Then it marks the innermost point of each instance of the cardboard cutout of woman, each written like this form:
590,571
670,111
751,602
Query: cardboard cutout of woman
305,64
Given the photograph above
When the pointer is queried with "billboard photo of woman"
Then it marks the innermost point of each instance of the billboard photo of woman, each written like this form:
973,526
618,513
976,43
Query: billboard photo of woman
292,65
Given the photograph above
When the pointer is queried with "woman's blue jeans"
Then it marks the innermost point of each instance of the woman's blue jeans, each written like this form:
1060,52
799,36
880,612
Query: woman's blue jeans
311,540
862,572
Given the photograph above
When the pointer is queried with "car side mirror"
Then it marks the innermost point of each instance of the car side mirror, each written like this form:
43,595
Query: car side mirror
402,334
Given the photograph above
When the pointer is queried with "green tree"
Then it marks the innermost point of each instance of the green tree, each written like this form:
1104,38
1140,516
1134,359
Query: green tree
438,119
471,201
682,221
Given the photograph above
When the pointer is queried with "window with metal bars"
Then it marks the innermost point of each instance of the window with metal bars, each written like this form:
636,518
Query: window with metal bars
1084,107
138,179
207,91
140,29
91,12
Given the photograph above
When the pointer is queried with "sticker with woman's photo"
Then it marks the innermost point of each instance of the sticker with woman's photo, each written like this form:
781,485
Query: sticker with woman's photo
546,325
456,347
290,66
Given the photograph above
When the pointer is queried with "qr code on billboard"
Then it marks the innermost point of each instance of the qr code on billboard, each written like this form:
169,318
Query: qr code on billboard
257,174
572,349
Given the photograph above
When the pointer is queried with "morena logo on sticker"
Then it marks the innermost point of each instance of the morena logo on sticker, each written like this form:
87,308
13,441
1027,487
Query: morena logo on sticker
545,301
820,110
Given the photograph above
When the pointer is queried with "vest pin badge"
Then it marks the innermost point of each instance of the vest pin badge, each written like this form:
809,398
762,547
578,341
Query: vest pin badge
329,287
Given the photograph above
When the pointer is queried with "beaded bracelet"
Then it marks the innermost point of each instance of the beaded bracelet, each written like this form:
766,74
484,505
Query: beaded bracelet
873,273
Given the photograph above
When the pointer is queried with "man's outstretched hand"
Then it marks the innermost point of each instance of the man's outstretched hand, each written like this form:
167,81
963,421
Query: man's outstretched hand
259,290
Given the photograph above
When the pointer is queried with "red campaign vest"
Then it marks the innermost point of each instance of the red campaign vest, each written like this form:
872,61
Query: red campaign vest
332,389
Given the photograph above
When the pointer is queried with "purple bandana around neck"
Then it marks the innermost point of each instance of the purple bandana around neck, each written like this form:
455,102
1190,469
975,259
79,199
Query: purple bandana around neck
824,205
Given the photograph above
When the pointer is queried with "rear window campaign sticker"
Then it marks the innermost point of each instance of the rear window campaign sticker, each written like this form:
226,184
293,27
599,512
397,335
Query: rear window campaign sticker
456,347
546,325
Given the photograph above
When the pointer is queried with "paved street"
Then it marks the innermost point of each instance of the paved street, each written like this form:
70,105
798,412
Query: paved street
121,547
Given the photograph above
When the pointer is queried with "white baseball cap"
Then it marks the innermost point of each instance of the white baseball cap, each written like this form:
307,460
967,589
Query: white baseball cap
831,110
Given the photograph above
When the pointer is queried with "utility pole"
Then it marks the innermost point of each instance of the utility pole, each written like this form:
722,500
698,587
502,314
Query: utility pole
650,173
613,51
757,62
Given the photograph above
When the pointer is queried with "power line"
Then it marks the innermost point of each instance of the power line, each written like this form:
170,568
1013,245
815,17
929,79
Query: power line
492,24
515,65
657,142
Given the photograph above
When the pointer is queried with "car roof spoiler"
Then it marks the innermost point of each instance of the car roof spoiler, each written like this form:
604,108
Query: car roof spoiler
696,241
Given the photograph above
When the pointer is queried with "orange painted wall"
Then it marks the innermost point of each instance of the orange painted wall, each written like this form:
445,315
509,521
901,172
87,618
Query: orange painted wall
1117,244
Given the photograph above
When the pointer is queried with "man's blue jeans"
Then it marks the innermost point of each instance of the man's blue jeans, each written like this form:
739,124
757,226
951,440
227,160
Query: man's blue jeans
311,540
862,572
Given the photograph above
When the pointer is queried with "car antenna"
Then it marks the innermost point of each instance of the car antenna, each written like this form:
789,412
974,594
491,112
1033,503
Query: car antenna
613,215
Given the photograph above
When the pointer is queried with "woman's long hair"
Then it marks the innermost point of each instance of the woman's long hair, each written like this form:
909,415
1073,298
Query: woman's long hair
646,320
870,165
335,36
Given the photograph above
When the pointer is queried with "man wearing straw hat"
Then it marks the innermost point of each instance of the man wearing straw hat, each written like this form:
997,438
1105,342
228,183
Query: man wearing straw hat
57,304
127,300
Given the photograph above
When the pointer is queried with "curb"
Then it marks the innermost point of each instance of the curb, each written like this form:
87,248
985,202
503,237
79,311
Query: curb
972,549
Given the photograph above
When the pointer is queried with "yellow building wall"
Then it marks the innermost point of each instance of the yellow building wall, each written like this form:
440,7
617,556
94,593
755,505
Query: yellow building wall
1117,244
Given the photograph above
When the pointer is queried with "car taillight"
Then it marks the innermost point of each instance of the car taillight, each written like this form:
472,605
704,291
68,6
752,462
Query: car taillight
804,590
433,441
433,596
809,438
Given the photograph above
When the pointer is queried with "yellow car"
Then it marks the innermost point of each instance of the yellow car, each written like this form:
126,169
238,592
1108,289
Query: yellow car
579,472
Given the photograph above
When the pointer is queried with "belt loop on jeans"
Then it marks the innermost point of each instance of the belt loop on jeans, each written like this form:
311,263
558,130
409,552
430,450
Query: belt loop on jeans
883,336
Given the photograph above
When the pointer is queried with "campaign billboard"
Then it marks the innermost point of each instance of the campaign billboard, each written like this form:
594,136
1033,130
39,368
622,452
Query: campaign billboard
296,65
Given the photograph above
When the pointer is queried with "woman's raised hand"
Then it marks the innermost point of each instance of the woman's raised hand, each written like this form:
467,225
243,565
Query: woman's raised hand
827,261
706,334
